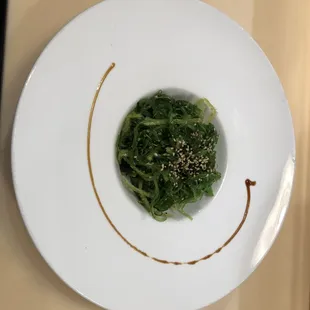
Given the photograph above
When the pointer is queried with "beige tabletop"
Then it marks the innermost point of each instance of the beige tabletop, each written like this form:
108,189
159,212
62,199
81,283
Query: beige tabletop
282,29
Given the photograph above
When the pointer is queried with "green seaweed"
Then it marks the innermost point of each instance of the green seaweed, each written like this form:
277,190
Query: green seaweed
166,153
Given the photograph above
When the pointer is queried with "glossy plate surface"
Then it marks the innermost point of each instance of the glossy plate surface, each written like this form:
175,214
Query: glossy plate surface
184,46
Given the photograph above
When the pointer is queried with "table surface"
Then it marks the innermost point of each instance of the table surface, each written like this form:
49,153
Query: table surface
281,281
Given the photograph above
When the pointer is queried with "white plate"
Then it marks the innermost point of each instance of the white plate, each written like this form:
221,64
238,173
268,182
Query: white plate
183,44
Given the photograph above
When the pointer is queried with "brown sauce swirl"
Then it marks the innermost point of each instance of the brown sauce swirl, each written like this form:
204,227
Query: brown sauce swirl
248,185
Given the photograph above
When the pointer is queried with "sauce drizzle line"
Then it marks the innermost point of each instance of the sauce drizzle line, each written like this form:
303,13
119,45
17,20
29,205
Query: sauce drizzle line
248,185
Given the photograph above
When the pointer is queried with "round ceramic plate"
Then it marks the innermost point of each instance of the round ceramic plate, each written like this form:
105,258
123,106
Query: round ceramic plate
89,230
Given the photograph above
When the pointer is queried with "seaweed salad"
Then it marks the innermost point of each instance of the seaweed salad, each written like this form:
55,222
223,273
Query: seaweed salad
166,153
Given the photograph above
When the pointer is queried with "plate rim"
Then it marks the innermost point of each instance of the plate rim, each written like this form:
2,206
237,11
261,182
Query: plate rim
71,21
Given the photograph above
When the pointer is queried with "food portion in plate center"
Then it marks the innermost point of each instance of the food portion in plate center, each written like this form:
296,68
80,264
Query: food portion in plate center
166,153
